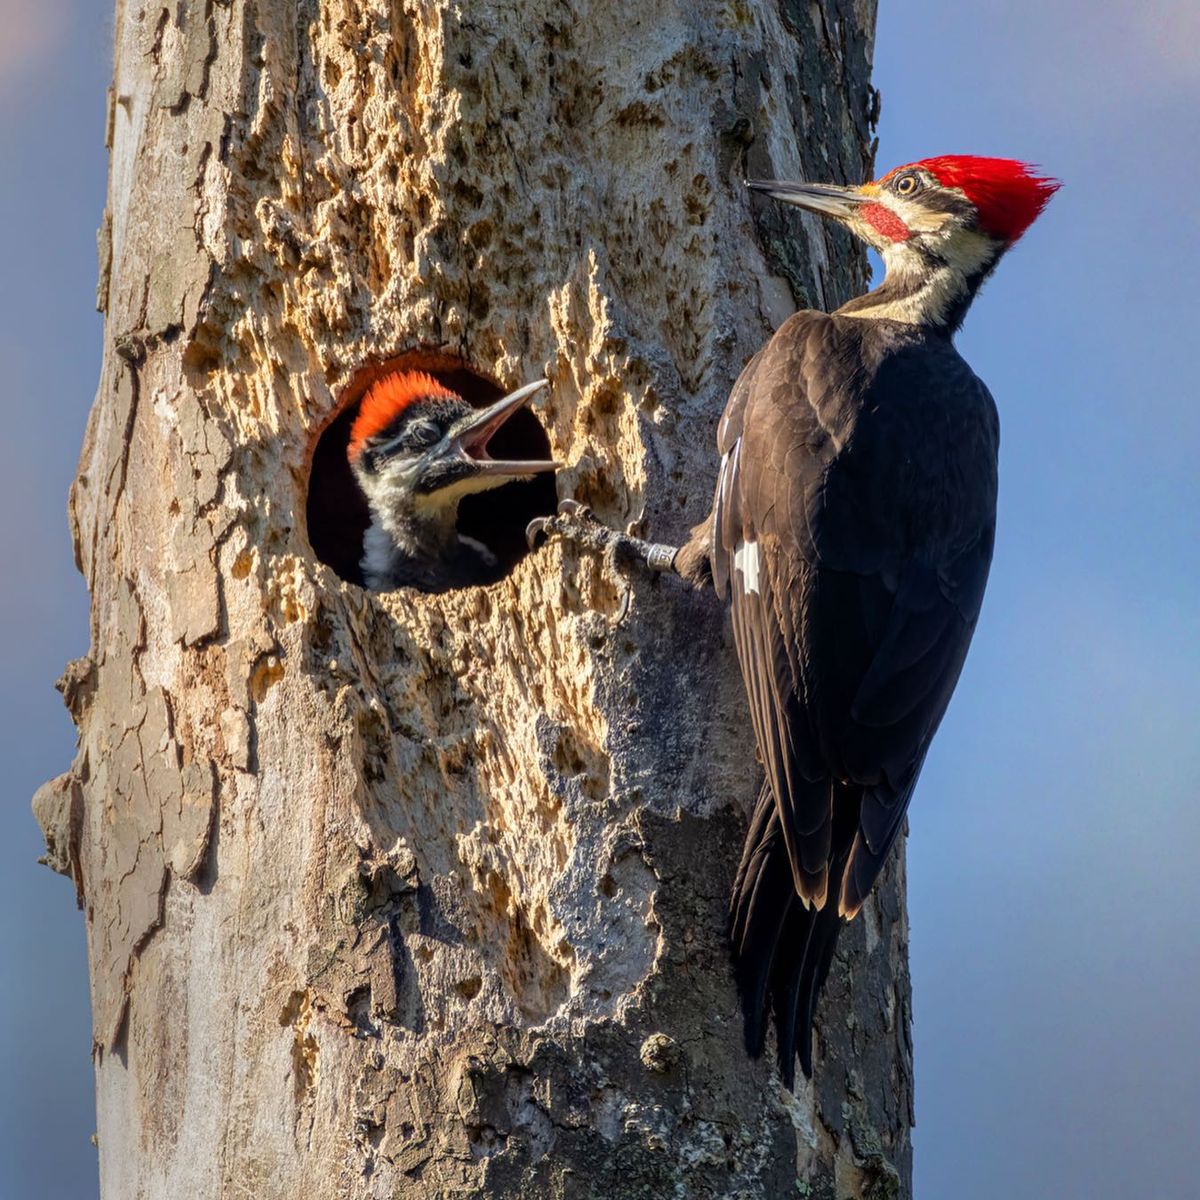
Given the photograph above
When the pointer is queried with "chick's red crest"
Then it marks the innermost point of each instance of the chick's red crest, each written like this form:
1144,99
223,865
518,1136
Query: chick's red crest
386,400
1008,194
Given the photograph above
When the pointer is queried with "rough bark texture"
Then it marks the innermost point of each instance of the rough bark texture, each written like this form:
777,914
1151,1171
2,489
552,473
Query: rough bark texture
424,896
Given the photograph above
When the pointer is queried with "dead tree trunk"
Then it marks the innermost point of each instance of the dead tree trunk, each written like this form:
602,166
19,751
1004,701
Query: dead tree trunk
408,895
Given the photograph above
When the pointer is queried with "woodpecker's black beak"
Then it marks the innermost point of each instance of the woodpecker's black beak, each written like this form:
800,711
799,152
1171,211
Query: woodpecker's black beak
828,199
467,439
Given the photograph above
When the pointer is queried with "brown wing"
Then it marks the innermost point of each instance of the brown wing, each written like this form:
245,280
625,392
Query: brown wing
758,571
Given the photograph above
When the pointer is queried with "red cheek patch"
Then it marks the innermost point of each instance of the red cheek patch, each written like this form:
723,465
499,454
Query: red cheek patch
883,220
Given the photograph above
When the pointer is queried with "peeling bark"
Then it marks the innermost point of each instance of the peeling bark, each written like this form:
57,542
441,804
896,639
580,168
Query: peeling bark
425,895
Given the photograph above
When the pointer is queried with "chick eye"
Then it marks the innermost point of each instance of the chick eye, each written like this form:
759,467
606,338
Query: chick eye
905,185
423,433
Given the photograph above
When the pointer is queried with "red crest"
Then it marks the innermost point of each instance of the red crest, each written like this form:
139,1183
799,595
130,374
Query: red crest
387,399
1009,195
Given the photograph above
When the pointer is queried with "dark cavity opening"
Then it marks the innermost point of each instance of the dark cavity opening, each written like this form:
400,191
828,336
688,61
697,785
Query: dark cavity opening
336,509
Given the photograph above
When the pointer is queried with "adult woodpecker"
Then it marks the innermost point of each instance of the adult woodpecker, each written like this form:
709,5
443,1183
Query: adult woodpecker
851,533
416,449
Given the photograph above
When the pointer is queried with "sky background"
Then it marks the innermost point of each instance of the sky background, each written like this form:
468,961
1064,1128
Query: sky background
1054,894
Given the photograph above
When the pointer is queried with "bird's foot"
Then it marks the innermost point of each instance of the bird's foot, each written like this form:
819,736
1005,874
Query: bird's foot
575,523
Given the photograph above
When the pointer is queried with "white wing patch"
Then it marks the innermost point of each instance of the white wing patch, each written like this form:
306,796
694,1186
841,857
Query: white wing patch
745,559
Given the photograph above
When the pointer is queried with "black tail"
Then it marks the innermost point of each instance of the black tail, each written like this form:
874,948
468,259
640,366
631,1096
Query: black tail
782,951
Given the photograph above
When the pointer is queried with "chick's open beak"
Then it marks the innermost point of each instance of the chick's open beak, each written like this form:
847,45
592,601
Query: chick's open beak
469,437
828,199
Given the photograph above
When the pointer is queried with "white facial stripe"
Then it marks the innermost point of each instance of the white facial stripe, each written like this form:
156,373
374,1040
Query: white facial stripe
931,301
918,218
745,560
963,253
967,251
393,497
467,486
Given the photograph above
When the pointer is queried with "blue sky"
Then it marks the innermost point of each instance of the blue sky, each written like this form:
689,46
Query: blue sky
1053,891
1054,895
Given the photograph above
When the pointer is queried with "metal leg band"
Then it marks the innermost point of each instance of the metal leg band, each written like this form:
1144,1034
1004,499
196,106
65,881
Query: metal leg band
660,557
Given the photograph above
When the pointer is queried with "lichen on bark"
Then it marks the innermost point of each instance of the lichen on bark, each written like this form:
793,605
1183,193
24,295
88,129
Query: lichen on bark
425,895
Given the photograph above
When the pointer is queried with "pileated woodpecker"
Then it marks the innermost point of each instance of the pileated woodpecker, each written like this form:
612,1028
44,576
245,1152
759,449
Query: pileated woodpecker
416,449
851,533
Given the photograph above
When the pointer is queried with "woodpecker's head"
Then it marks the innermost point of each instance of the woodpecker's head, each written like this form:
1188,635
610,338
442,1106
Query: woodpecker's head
940,224
417,448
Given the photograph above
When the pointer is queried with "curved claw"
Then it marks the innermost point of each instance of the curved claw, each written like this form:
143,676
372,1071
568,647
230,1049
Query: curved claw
623,608
535,530
573,508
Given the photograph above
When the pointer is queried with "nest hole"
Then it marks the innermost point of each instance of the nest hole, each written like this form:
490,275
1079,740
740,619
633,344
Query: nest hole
336,509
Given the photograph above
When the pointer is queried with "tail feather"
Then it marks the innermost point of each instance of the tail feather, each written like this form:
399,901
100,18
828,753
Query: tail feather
750,874
782,949
763,895
818,958
802,962
788,982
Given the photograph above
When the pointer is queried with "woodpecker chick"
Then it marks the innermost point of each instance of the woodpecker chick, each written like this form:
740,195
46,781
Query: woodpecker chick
851,534
417,448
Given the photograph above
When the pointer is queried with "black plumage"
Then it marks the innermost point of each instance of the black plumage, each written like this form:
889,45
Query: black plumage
851,533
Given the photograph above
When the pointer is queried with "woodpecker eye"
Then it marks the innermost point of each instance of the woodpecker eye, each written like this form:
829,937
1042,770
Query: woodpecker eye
906,185
423,434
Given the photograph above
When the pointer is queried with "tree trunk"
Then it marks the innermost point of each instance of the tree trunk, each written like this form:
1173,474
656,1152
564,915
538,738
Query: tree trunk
412,895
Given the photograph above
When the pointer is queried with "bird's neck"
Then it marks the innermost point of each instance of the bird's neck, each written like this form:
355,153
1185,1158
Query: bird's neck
419,532
920,289
402,543
407,547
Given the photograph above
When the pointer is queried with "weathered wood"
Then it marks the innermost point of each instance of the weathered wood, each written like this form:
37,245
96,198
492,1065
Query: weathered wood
420,896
